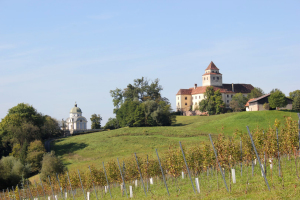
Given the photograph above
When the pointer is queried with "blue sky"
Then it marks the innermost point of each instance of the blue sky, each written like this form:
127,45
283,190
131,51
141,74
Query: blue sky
53,53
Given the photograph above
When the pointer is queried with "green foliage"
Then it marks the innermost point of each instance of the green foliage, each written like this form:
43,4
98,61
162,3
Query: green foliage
96,121
12,171
295,96
51,165
142,105
112,123
266,106
238,102
255,93
277,99
275,90
213,102
24,123
35,153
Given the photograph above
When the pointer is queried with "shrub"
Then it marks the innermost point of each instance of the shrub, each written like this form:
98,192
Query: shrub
35,154
51,165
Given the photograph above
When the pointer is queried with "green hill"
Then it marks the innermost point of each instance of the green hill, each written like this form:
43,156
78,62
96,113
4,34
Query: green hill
83,150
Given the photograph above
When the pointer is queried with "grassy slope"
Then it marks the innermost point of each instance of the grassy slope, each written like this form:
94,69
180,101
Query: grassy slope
83,150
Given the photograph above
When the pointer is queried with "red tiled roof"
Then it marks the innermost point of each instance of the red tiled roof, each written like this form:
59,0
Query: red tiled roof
226,88
247,104
211,66
184,92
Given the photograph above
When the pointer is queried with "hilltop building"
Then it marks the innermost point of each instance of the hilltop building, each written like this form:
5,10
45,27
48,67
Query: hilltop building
187,98
76,121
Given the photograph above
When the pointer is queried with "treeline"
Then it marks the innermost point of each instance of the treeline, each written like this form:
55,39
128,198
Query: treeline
140,104
22,134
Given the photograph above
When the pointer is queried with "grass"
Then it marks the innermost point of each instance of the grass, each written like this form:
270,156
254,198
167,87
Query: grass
212,185
94,148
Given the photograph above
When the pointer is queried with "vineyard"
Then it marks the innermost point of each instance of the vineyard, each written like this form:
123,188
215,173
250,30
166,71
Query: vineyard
260,164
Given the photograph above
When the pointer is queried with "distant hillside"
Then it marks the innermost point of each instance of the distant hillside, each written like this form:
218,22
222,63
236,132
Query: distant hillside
83,150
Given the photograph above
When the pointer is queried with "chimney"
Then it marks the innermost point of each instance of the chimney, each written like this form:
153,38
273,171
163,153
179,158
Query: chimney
195,85
232,87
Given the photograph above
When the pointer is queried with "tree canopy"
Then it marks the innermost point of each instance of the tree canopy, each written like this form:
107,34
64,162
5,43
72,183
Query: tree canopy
23,124
96,121
277,99
255,93
141,104
213,102
295,96
238,102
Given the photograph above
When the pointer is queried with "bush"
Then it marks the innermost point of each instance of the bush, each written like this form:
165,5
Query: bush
12,171
51,165
35,154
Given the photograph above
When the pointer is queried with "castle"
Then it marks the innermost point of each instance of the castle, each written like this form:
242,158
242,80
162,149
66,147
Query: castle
187,98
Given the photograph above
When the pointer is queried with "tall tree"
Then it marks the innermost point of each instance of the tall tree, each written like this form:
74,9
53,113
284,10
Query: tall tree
277,99
255,93
238,102
213,102
295,96
96,121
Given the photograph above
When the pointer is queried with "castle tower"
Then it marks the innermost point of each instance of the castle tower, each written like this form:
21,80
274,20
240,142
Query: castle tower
212,77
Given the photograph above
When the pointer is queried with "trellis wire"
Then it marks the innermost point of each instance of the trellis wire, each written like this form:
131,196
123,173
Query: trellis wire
218,162
81,184
122,178
106,179
70,186
187,167
140,173
93,182
258,159
162,172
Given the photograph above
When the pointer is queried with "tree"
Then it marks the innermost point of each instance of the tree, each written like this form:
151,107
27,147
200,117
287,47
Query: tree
12,171
239,101
213,102
255,93
234,105
51,165
277,99
112,123
24,123
141,104
96,121
35,153
295,96
274,90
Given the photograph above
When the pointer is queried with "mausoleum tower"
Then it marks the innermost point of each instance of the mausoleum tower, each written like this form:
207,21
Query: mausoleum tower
212,76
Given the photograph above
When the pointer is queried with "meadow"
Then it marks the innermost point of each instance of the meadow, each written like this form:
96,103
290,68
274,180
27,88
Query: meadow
94,148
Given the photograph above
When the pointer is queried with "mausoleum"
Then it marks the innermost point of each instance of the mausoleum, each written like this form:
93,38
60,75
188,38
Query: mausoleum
76,121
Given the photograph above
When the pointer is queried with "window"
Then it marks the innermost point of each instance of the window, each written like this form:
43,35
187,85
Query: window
185,98
227,101
80,120
185,104
217,78
199,97
227,96
178,104
231,96
213,78
195,97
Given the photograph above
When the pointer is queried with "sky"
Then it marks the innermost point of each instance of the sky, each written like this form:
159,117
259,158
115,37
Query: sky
56,52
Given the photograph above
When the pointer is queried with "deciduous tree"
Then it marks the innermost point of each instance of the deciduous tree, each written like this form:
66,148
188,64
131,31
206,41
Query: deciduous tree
277,99
96,121
255,93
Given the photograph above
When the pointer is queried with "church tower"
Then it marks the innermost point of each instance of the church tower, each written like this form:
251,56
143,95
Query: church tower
212,77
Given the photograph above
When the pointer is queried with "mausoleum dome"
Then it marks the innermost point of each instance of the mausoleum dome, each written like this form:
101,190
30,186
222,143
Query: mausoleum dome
75,109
